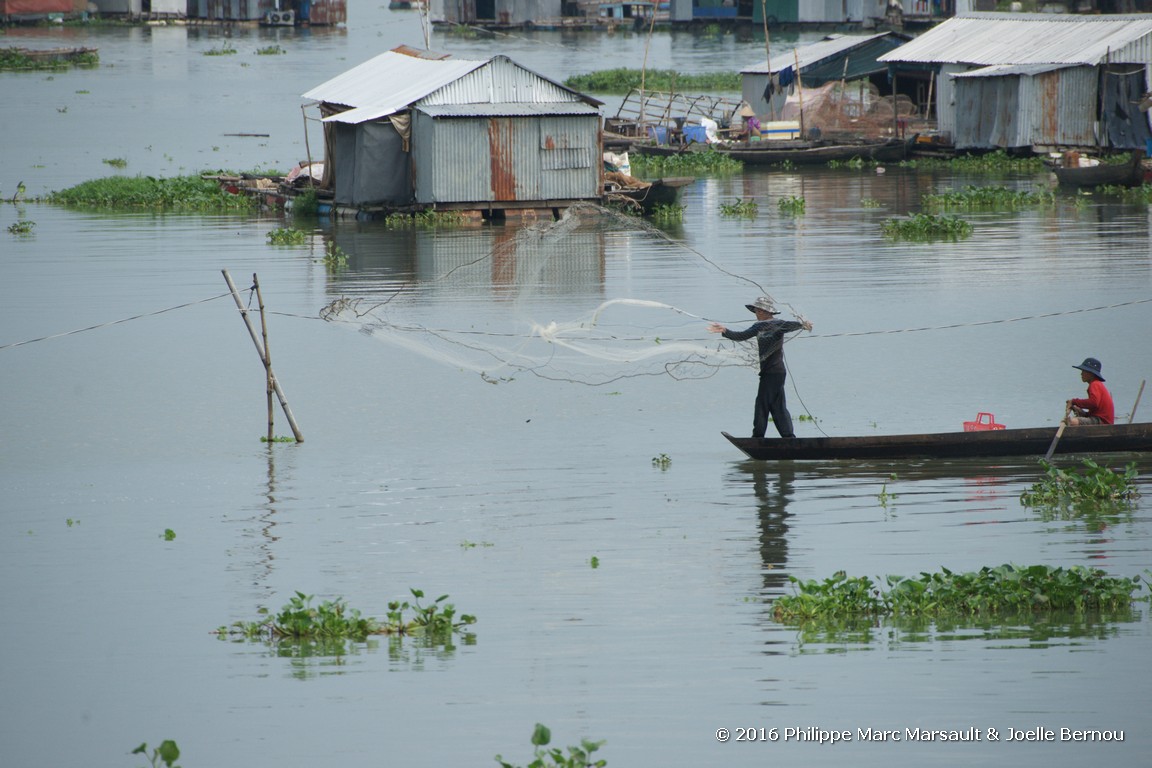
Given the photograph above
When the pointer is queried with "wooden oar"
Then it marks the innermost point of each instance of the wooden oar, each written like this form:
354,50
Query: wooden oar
1137,405
1056,439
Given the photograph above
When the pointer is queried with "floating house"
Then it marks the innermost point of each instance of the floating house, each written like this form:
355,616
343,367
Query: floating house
37,10
767,86
1041,82
505,13
284,12
412,130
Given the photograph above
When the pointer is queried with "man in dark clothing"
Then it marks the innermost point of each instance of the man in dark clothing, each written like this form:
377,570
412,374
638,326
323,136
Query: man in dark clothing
769,333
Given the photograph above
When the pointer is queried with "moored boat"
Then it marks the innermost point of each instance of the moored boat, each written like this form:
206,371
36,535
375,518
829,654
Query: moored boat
794,151
1112,438
1128,174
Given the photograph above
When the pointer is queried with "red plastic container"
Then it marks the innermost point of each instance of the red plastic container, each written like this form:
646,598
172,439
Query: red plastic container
984,421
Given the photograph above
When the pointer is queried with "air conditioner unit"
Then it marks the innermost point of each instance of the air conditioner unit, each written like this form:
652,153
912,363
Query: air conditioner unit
281,17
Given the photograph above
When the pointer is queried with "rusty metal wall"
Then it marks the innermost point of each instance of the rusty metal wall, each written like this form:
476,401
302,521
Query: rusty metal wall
1019,110
501,159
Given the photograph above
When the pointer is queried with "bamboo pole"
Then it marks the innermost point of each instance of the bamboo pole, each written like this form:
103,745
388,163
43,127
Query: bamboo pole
768,53
260,351
267,356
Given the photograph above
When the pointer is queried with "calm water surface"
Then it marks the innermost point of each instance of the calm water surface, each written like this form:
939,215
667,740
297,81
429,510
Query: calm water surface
488,425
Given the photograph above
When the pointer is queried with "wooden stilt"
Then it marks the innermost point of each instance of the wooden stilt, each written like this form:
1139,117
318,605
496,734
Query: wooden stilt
1137,405
267,357
260,350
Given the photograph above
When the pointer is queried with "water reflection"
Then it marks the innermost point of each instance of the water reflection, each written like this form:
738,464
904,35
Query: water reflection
772,484
507,263
1019,631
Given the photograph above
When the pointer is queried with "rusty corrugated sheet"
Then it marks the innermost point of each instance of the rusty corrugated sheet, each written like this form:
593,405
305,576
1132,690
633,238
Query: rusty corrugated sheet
502,161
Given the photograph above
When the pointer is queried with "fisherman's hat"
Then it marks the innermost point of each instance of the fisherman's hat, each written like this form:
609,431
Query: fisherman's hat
1092,365
747,111
766,304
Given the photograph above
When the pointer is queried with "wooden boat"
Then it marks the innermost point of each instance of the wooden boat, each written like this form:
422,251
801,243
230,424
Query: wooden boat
1115,438
1129,174
819,152
796,152
648,195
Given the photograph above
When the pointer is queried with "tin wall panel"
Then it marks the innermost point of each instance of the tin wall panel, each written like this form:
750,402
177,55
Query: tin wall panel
505,159
500,81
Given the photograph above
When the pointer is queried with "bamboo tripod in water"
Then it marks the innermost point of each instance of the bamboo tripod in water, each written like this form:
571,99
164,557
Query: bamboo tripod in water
265,357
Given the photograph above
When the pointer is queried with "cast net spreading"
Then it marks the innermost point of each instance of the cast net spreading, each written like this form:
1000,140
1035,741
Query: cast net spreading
532,300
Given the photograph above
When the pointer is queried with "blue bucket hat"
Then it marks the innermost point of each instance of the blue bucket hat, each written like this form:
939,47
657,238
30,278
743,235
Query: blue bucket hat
1092,366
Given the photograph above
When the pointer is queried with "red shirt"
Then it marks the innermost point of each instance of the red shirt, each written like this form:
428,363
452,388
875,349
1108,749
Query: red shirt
1098,403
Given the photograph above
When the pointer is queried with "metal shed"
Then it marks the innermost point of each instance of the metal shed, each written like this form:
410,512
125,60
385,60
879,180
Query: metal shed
836,57
415,131
1034,80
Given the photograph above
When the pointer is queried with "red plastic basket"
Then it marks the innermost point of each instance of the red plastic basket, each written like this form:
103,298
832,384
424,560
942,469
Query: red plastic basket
984,421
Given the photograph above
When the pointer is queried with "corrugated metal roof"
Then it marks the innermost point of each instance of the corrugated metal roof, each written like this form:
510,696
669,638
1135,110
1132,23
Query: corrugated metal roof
810,54
409,79
1002,70
509,110
1031,38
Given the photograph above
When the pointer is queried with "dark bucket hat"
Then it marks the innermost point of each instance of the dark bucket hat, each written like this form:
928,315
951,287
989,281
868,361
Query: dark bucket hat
1092,365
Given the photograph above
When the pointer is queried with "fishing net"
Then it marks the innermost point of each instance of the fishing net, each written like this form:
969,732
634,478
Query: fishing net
517,303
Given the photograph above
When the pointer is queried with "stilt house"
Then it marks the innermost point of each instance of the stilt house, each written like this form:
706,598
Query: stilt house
1038,81
407,130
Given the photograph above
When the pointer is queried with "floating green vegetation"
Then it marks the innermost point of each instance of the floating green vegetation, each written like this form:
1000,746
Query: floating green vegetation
423,220
870,202
227,49
72,522
988,591
168,535
995,198
854,163
17,60
180,193
663,461
927,226
594,562
806,417
271,50
278,439
992,161
287,236
166,754
22,227
706,162
473,544
668,212
747,209
333,619
577,757
792,204
115,162
622,80
307,203
1141,194
335,257
1094,486
884,497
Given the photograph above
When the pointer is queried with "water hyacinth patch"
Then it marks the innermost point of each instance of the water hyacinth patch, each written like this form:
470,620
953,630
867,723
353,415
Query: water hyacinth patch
180,193
688,163
991,198
1094,486
577,757
334,620
989,591
927,226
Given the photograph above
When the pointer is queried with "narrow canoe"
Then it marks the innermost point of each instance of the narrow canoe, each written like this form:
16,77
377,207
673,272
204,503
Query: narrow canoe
1117,438
1129,174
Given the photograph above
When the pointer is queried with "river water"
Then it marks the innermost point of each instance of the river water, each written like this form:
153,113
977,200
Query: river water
526,419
